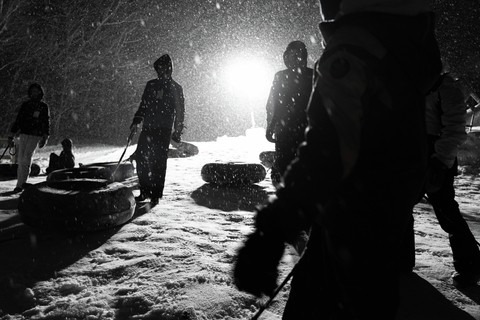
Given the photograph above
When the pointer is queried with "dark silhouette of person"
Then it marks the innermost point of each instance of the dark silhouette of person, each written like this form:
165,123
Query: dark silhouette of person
287,107
359,171
161,109
65,160
32,125
446,119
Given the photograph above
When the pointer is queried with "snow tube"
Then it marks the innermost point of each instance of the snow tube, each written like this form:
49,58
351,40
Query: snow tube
233,173
10,170
76,205
182,150
102,170
125,170
267,158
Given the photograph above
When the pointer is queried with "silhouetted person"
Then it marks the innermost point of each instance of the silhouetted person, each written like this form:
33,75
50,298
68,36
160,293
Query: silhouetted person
446,119
33,127
162,107
287,107
360,170
65,160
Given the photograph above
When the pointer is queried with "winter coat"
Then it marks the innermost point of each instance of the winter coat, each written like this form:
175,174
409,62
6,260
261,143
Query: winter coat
287,102
289,94
366,146
67,159
33,119
162,105
445,117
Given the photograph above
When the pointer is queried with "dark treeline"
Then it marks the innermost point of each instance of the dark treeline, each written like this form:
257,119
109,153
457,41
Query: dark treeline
93,58
82,53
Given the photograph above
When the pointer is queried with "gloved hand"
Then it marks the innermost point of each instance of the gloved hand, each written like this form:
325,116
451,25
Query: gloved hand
277,223
136,121
435,174
43,141
177,136
256,267
269,135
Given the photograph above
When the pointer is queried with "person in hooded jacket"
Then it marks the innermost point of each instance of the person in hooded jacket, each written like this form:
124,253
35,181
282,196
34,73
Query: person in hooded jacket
446,119
32,125
287,107
162,107
360,170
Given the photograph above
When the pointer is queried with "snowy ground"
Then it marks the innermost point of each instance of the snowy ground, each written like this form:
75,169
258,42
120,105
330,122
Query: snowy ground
173,261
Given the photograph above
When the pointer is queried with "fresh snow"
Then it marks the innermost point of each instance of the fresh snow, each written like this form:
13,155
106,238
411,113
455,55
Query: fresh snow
174,261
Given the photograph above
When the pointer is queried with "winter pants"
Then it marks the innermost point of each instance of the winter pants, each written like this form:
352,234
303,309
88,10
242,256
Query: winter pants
25,151
466,255
152,156
285,152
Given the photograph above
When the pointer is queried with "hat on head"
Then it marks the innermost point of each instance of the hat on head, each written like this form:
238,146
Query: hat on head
67,143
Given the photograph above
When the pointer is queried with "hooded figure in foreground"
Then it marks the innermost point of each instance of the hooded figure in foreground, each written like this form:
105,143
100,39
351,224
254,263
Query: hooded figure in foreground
287,107
162,108
360,170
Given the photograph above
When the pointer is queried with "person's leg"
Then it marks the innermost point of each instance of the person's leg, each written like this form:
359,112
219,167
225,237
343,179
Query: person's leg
159,163
275,174
407,251
26,150
142,156
466,254
310,297
285,152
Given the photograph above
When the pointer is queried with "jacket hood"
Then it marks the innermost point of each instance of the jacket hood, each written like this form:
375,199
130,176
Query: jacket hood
166,62
409,39
39,87
295,56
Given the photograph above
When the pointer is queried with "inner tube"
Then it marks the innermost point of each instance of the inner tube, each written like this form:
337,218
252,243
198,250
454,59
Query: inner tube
10,170
125,170
76,205
101,170
233,173
182,150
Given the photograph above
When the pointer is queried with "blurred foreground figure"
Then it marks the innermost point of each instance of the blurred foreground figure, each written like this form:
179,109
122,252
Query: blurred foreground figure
360,170
287,107
32,125
65,160
446,120
162,108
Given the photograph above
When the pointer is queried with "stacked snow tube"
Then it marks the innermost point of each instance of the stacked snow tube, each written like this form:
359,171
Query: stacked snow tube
102,170
233,173
10,170
76,205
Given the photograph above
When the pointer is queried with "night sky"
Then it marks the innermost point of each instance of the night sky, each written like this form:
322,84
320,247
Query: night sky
95,87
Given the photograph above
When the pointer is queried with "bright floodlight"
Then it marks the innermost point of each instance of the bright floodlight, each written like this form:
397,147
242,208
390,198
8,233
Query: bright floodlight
249,77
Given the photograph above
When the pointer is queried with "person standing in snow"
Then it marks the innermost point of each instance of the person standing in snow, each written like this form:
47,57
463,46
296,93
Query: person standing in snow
286,107
446,119
162,107
65,160
32,125
360,170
